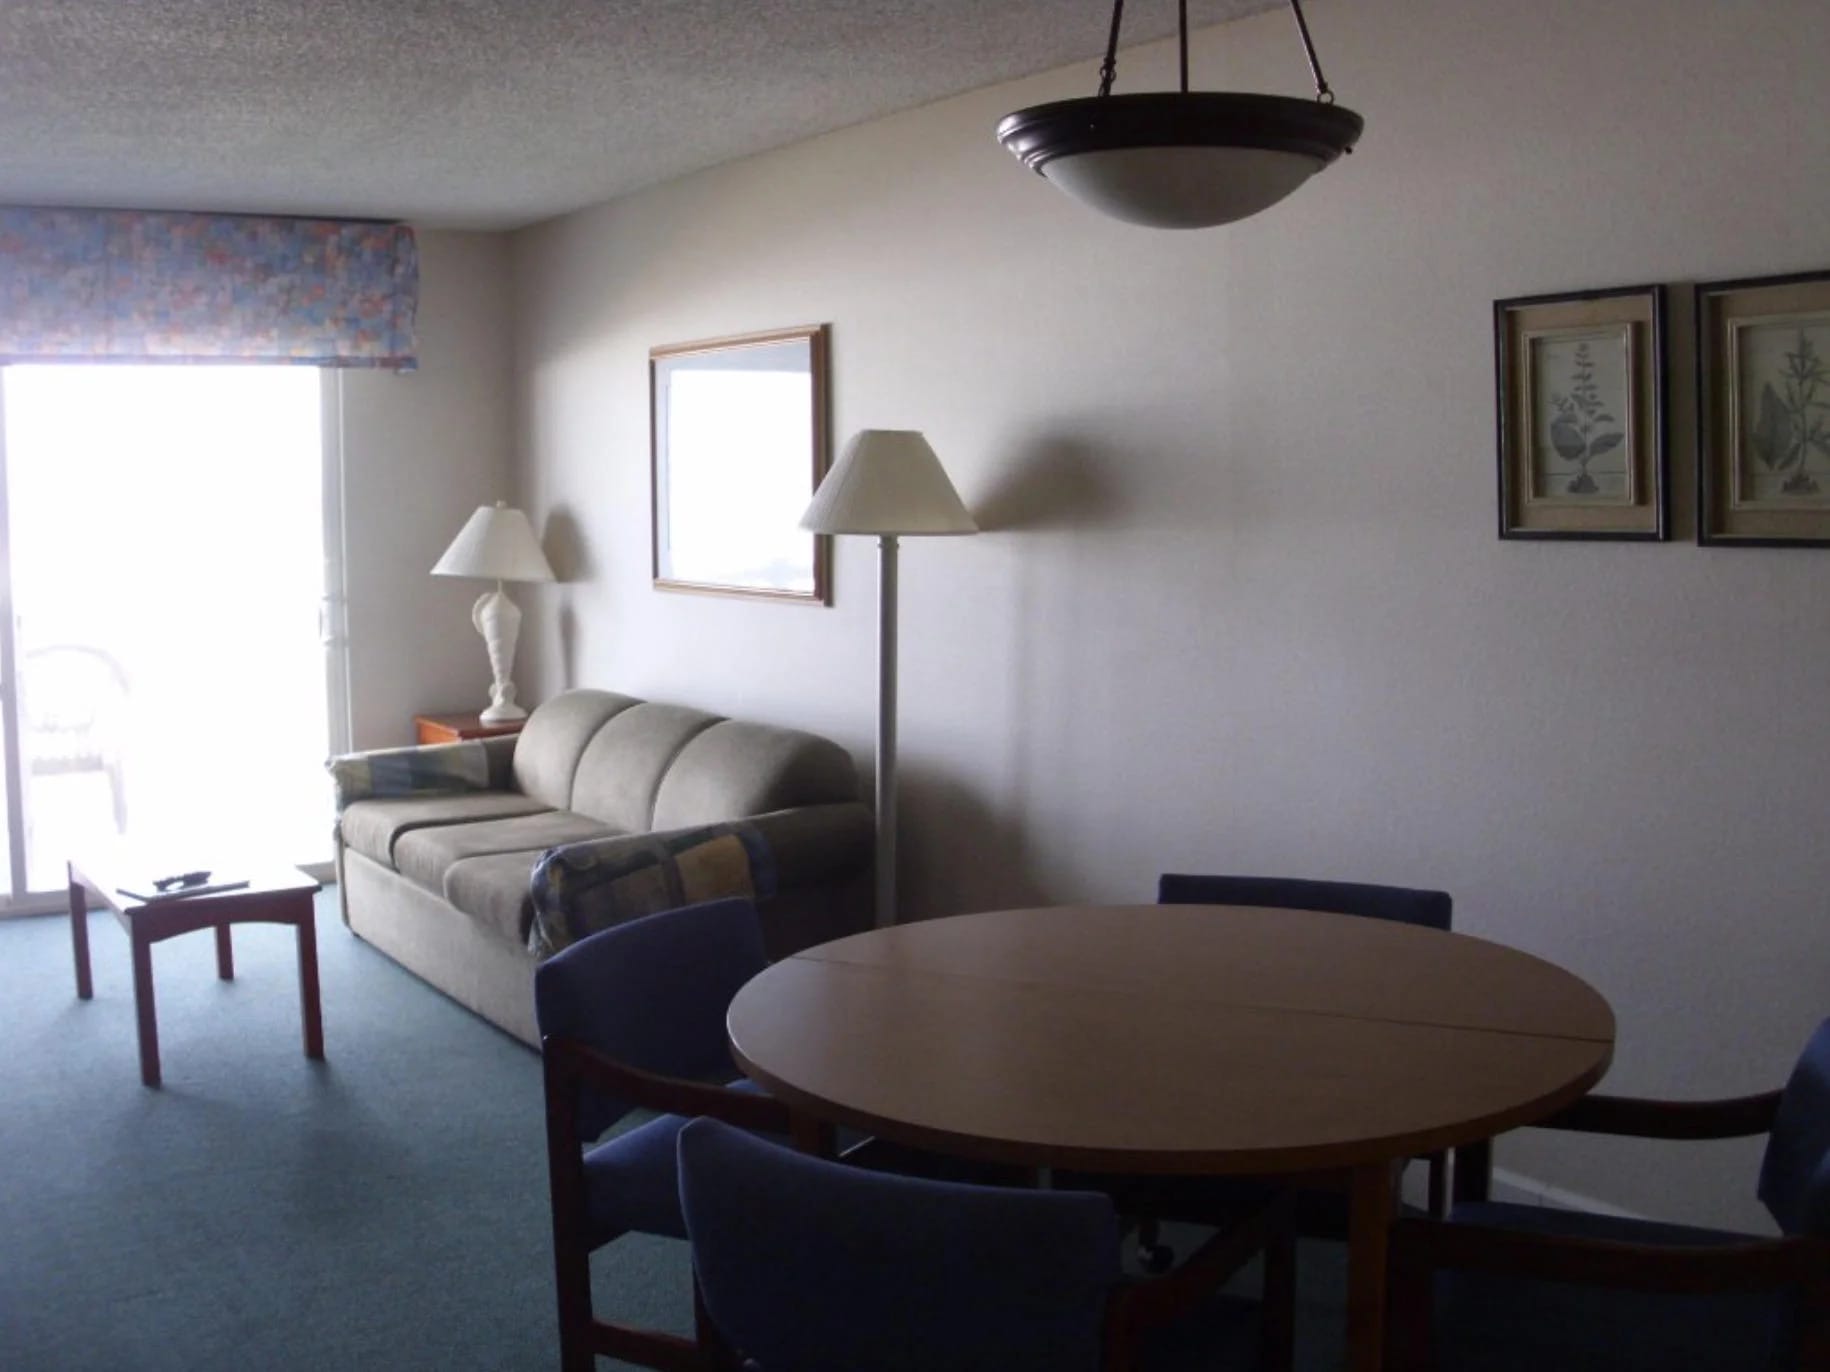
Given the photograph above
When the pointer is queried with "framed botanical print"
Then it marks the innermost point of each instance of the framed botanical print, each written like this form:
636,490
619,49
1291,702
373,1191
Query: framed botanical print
1763,423
1581,414
739,441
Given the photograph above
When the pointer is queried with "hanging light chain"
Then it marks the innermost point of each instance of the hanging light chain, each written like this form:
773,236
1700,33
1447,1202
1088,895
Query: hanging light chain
1322,93
1108,70
1182,36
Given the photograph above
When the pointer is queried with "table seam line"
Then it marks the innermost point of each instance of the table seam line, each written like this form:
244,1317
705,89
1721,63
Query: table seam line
1242,1005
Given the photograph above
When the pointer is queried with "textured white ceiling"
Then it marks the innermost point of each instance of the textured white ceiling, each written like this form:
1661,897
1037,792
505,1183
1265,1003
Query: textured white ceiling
482,113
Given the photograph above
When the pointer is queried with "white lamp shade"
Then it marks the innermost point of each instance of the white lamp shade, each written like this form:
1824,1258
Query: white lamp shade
888,482
495,544
1181,188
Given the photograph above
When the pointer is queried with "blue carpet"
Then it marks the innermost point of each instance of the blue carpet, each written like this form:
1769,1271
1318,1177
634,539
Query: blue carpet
385,1208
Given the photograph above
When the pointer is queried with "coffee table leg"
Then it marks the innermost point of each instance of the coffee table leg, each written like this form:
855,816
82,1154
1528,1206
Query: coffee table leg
79,937
308,983
1368,1234
144,1009
225,954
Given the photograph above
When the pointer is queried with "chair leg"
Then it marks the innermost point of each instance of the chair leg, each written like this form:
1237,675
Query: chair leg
118,790
1474,1171
1439,1184
1277,1314
571,1254
1410,1343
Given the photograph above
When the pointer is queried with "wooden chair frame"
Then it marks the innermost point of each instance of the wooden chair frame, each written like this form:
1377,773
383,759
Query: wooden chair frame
570,1064
1420,1248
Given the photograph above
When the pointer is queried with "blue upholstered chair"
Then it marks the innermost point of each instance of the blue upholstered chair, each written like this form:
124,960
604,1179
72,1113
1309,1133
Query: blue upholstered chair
806,1265
1504,1288
1401,904
629,1018
1319,1213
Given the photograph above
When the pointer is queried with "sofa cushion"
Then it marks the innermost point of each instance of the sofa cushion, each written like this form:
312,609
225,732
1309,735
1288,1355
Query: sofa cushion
734,769
372,827
493,891
623,764
423,855
550,744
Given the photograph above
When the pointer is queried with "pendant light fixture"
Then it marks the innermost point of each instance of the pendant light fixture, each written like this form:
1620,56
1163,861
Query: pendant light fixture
1182,159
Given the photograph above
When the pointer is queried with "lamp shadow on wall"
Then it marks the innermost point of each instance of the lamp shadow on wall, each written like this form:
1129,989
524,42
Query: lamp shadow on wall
1052,482
564,545
957,854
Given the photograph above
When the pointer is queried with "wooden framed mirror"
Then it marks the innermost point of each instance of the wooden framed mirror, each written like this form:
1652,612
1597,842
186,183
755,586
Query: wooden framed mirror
739,439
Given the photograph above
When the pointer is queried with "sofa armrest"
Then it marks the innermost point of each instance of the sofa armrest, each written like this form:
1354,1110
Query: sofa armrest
423,769
817,844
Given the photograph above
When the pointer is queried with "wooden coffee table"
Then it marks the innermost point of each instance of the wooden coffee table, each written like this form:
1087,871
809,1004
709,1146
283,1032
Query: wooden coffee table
1180,1039
275,896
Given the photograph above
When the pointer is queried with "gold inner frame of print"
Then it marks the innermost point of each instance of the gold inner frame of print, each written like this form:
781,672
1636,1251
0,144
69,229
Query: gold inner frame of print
1739,461
1634,313
1622,334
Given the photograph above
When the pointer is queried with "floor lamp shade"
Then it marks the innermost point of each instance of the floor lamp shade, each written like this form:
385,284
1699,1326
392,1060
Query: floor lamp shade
497,544
889,483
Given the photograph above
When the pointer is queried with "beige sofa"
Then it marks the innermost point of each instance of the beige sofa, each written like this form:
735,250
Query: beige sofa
440,881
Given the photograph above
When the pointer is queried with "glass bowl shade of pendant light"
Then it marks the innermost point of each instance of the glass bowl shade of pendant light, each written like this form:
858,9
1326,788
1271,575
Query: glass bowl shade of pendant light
1181,159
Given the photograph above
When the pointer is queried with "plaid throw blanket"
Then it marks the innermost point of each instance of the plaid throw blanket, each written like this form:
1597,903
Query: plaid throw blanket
582,888
432,769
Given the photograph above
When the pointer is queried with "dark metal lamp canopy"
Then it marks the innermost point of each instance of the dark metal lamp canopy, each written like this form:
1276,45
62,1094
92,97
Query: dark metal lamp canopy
1182,159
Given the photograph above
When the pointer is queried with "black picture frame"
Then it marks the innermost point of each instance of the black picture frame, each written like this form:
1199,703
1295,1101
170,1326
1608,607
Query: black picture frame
1726,516
1585,509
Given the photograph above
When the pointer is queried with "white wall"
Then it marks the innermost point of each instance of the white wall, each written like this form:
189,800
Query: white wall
420,452
1243,607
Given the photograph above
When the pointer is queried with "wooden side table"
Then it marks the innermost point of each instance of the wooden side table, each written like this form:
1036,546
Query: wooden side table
270,897
457,728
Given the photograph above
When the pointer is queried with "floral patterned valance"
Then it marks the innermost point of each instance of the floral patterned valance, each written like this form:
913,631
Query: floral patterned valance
148,286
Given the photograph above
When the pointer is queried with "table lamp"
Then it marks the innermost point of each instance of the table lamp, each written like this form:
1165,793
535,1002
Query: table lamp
497,544
888,483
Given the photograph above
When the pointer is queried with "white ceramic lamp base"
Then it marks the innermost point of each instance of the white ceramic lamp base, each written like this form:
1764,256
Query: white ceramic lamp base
499,621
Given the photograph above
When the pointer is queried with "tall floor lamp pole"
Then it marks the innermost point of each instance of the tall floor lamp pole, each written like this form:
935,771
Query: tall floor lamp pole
888,483
886,729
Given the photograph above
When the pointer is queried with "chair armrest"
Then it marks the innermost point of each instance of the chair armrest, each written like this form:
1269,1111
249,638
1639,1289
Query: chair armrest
1755,1264
1663,1119
570,1063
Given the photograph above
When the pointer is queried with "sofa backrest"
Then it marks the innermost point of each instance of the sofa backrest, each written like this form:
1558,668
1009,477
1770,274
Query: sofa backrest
554,738
625,761
640,766
734,769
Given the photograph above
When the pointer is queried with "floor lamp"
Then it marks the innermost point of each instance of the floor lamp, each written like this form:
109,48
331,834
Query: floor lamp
888,483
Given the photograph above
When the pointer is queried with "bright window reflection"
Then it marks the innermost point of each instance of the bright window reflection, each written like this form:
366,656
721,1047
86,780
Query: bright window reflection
740,475
167,547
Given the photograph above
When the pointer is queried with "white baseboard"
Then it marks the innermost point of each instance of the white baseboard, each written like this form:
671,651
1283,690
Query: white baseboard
1524,1190
1519,1189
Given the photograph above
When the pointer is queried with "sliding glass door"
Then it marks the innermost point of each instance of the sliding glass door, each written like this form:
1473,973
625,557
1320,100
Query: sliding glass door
169,652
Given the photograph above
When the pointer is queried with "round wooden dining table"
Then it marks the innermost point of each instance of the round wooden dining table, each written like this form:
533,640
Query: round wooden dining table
1180,1039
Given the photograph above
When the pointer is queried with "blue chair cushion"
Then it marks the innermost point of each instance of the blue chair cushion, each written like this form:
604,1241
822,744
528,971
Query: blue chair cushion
814,1266
1795,1176
632,1181
1509,1324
